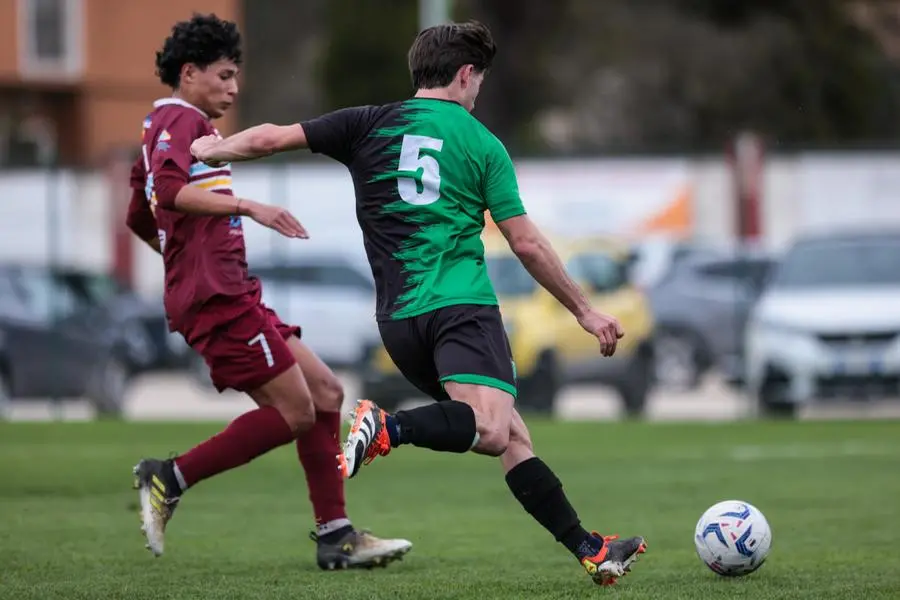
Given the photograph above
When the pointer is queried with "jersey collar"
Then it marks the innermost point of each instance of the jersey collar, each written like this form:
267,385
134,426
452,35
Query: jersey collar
179,102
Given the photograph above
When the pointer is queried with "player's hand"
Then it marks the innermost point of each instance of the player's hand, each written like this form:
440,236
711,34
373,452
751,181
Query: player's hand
277,218
605,328
203,147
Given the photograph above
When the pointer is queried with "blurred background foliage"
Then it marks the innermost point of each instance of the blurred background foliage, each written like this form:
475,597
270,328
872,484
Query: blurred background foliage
582,76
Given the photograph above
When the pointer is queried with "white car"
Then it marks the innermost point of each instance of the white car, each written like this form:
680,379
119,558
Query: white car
827,325
328,293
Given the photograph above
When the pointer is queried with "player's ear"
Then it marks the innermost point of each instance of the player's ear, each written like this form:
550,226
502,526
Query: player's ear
188,73
465,74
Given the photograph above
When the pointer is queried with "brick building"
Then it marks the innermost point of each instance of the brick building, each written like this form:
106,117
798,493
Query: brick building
77,76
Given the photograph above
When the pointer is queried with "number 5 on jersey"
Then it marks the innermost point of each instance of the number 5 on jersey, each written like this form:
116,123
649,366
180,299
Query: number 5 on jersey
411,160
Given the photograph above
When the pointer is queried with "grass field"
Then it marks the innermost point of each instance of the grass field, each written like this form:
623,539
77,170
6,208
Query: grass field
831,492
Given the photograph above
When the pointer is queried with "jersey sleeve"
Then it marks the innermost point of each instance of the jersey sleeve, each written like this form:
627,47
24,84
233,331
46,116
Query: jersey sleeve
173,147
138,178
139,217
501,188
170,164
336,134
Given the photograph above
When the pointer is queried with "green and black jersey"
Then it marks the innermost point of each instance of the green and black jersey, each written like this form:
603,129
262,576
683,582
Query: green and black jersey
425,171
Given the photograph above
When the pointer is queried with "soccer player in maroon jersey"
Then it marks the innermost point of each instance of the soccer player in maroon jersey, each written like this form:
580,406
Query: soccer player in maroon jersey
186,211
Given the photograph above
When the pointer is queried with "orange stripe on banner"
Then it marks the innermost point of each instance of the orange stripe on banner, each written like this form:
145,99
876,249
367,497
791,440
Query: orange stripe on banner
676,217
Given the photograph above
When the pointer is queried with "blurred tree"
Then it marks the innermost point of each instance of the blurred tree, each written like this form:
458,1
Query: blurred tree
837,86
365,58
613,75
284,41
610,75
517,85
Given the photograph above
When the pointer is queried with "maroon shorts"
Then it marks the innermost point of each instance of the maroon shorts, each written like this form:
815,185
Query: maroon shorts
249,351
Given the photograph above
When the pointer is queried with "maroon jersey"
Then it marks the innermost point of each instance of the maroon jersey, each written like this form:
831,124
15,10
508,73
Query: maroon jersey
206,278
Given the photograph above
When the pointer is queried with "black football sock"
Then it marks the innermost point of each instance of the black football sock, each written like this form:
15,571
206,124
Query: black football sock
540,493
442,426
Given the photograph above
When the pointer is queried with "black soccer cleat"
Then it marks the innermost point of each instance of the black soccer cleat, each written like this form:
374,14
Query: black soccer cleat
614,558
358,550
159,494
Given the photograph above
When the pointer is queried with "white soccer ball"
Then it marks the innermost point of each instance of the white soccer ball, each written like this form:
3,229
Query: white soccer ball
733,538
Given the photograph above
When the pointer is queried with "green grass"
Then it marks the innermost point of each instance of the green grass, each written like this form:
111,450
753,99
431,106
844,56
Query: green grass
831,492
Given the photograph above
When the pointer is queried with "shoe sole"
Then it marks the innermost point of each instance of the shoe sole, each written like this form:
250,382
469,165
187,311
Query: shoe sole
609,572
376,561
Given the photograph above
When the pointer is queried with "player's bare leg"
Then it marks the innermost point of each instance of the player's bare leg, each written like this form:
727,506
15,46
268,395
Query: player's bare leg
540,492
285,411
338,543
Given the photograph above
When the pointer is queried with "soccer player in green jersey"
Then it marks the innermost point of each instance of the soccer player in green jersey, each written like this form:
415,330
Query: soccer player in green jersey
425,171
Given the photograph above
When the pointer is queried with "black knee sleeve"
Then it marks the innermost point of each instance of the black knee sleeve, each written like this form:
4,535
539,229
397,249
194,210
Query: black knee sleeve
441,426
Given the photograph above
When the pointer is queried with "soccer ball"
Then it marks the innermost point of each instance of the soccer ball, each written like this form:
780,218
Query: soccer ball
733,538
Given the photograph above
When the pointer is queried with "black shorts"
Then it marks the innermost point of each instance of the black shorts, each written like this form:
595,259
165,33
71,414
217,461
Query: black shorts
465,343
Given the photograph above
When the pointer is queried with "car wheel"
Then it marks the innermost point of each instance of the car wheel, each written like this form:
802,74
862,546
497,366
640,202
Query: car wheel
678,363
5,396
636,384
538,392
772,403
110,387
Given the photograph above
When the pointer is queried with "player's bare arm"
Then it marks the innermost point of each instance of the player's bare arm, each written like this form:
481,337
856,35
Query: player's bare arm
544,264
255,142
193,200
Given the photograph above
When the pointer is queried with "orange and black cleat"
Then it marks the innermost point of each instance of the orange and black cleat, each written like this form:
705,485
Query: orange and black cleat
367,440
614,559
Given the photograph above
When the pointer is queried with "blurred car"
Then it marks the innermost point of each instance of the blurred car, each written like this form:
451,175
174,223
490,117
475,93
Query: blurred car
330,294
653,258
828,323
701,308
549,347
53,343
143,326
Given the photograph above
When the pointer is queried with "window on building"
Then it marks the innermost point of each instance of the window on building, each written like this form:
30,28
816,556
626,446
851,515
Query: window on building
50,37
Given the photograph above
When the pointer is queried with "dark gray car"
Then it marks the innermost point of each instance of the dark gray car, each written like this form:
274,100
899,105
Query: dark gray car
701,308
55,344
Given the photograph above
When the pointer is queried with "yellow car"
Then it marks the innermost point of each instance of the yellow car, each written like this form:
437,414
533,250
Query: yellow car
549,347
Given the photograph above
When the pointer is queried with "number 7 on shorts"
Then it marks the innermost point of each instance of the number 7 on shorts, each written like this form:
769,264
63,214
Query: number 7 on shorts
261,340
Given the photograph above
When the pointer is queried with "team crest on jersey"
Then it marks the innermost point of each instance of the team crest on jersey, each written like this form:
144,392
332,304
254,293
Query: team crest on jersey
234,224
162,142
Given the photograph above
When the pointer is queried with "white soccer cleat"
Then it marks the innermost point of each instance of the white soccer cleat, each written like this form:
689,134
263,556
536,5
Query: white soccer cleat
359,549
367,440
158,502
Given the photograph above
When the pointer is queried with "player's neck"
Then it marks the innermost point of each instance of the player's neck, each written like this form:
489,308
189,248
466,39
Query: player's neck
181,97
438,94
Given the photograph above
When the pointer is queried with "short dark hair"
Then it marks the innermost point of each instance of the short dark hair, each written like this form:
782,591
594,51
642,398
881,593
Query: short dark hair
439,51
202,41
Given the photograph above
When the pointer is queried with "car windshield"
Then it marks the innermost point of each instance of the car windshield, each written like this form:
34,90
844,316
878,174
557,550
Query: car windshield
862,262
509,276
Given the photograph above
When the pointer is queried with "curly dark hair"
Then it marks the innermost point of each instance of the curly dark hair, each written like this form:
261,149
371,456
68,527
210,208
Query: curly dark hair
202,41
439,51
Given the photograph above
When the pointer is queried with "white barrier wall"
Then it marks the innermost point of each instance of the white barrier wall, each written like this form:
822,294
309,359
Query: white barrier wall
67,214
